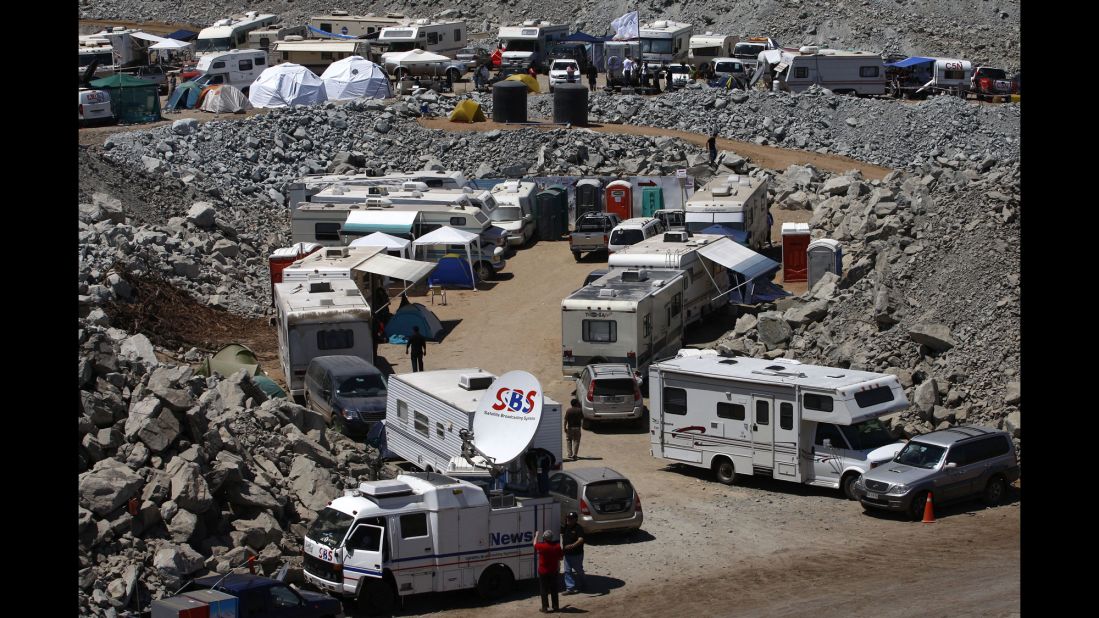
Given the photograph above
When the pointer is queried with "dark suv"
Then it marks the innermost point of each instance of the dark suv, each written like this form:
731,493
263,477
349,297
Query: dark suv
951,465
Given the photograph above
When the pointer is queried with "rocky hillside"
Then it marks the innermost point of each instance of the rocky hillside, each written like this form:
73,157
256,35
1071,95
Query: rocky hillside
985,31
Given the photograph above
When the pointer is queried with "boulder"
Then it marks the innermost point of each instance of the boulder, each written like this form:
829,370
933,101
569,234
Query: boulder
1012,394
160,431
259,532
825,288
800,176
104,489
935,336
926,396
837,185
745,324
138,348
169,384
1013,424
179,560
189,489
245,493
237,388
183,526
185,126
772,329
313,485
806,314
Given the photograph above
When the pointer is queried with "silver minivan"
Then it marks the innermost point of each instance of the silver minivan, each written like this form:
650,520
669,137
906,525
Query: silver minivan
609,391
602,498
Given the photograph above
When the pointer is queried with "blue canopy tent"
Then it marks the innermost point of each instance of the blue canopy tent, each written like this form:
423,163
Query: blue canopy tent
593,46
183,35
910,62
416,315
453,270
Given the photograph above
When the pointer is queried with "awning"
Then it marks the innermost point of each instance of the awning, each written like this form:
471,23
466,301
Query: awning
395,267
908,62
148,37
741,236
170,44
327,34
739,258
389,221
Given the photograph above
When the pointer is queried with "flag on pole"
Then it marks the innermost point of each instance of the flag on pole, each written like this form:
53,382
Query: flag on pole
625,27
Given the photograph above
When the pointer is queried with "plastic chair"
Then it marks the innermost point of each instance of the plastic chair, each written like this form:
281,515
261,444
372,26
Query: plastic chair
437,290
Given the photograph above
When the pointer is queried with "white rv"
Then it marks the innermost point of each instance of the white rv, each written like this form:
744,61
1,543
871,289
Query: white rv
439,37
317,54
708,47
425,411
526,44
735,201
320,318
749,49
127,50
100,52
630,316
238,68
232,32
664,42
368,267
842,72
265,37
951,76
308,186
361,26
775,418
514,210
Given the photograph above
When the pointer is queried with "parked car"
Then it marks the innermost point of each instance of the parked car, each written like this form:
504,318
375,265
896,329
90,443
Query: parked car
154,73
263,596
953,464
724,68
681,75
474,55
348,391
591,232
603,499
633,231
94,107
559,72
610,391
988,82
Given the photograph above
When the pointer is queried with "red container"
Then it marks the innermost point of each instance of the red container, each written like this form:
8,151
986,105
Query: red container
281,258
795,257
620,199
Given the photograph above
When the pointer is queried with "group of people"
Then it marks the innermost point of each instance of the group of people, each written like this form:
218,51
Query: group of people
552,553
641,75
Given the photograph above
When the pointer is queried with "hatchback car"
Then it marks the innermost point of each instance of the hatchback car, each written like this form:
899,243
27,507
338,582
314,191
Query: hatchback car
348,391
951,465
94,107
633,231
608,392
603,499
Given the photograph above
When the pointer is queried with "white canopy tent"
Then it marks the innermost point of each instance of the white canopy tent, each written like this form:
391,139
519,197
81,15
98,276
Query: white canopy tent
414,55
170,44
355,77
286,85
447,235
145,36
381,239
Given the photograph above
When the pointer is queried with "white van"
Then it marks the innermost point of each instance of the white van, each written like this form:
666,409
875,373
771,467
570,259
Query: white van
94,106
632,231
238,68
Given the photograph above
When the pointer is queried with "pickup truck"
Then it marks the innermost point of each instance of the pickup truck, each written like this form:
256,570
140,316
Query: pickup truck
592,232
262,596
988,82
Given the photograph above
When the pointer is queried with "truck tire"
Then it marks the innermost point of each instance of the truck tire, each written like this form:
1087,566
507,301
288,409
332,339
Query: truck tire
576,255
495,582
485,271
995,491
377,597
847,485
724,471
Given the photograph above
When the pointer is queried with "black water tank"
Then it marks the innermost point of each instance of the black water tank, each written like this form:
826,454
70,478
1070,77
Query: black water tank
509,101
570,104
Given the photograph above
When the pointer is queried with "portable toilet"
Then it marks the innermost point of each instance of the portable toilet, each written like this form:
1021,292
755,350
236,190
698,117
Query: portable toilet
620,199
825,256
795,245
652,200
551,213
589,196
285,256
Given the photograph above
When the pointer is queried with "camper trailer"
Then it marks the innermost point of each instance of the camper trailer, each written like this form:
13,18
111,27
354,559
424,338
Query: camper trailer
439,37
127,50
238,68
320,318
627,316
737,202
317,54
425,411
265,37
308,186
842,72
775,418
514,210
369,267
407,193
664,42
100,52
708,47
361,26
527,44
748,50
231,33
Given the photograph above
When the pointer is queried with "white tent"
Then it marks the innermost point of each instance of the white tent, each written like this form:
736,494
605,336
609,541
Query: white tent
414,55
355,78
145,36
170,44
447,235
285,85
381,239
225,99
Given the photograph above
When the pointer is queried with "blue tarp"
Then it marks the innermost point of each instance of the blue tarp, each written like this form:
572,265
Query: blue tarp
908,62
327,34
453,271
584,37
766,292
183,35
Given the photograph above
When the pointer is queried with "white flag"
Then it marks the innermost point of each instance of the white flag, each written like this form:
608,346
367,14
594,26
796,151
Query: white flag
625,27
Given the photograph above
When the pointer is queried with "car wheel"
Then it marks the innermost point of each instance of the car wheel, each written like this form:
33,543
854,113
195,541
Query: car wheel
725,472
848,485
576,254
377,597
995,491
495,582
484,271
915,509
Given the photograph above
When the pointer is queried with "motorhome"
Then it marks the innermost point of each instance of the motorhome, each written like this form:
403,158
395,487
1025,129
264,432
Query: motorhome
361,26
627,316
307,186
101,53
748,50
368,267
775,418
439,37
737,202
320,318
527,44
317,54
664,42
126,49
704,48
410,192
842,72
425,411
238,68
514,212
265,37
231,32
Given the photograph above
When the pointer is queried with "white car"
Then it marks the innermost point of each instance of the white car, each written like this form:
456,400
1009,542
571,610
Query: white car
633,231
94,106
558,73
681,75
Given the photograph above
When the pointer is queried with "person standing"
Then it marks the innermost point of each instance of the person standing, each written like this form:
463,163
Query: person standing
483,72
418,346
574,420
668,75
627,70
593,74
711,145
533,72
549,564
572,548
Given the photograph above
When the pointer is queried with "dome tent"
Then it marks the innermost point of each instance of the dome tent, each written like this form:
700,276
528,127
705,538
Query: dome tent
355,77
411,315
225,99
286,85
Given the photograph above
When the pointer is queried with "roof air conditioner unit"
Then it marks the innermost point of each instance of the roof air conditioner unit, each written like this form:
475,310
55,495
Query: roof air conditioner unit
530,22
658,283
475,381
660,24
722,191
339,12
251,14
677,236
352,292
378,202
745,182
293,37
327,302
608,293
387,488
809,50
412,185
422,21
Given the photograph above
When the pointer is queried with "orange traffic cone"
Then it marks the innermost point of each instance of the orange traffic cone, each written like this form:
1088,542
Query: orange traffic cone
928,511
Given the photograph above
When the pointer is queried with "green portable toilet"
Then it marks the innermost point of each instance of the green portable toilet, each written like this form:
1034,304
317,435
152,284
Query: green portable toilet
551,212
652,200
589,196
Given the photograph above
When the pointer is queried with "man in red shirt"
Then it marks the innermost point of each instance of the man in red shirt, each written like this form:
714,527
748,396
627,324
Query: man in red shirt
549,563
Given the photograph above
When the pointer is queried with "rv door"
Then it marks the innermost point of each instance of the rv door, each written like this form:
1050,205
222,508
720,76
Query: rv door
364,550
762,432
413,547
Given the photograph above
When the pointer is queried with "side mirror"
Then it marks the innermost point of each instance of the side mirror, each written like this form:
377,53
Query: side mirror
326,393
950,464
828,442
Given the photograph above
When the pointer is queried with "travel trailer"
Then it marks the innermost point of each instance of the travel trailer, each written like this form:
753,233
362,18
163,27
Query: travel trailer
527,44
317,54
367,266
842,72
360,26
232,32
630,316
774,418
238,68
439,37
407,193
748,50
708,47
265,37
320,318
126,49
664,42
308,186
514,210
737,202
101,53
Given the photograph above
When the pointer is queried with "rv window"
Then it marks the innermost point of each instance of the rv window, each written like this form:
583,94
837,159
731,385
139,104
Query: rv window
953,74
801,72
335,339
245,65
419,421
402,411
432,38
868,71
458,34
874,396
326,27
647,325
820,403
731,411
327,231
285,56
264,42
458,221
217,65
440,431
677,304
786,416
600,331
830,432
675,401
413,525
763,413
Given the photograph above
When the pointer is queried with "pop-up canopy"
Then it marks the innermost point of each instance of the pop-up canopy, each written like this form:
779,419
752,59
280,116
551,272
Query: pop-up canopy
381,239
447,235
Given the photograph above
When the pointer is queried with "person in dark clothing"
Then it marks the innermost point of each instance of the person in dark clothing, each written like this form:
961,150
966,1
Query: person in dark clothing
711,145
593,74
574,420
668,75
572,546
549,564
418,345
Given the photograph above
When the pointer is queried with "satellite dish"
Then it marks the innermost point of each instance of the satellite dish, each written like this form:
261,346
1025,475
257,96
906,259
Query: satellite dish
507,417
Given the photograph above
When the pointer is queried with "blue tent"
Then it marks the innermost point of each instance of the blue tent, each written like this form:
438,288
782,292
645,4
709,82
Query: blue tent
411,315
184,97
324,34
454,271
741,236
908,62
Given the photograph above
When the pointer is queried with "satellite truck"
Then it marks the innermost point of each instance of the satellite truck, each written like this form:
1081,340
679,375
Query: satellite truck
428,532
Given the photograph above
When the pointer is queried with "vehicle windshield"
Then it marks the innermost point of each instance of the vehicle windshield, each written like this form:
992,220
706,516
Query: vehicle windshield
747,51
370,385
591,224
656,46
401,46
507,213
613,387
678,68
626,237
993,73
559,65
728,67
205,45
330,527
609,490
867,435
521,45
920,455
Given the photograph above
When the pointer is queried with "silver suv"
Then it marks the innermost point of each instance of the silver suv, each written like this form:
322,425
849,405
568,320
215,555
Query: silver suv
951,464
603,499
609,391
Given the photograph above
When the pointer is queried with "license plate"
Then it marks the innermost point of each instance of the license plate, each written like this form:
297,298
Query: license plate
871,495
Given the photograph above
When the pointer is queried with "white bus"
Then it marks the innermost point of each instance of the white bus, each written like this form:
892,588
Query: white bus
231,32
439,37
708,47
526,44
665,42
